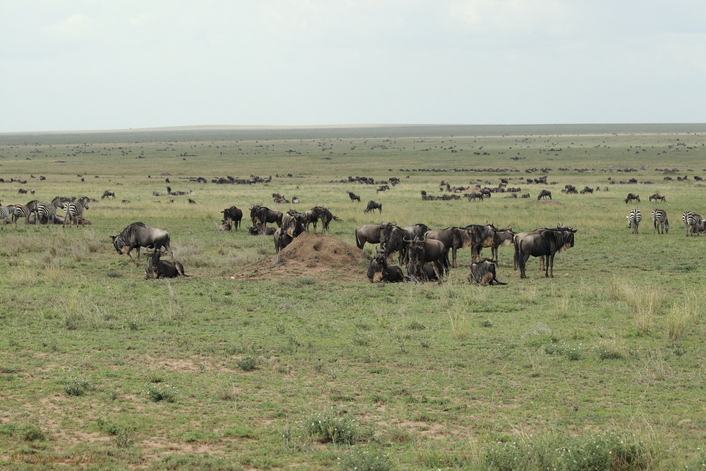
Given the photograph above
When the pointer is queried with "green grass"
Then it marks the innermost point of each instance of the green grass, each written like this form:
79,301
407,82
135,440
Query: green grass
227,369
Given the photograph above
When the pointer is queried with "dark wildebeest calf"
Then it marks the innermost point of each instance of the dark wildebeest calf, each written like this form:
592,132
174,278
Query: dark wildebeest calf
157,268
380,271
483,273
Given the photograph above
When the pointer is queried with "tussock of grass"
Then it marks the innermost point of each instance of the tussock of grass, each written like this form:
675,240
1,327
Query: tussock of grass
682,314
643,302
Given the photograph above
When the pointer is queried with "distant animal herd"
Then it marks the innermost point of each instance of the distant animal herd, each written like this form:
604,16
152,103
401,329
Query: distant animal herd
422,251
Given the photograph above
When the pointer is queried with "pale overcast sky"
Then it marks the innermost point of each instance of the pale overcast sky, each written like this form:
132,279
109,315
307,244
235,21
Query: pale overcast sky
117,64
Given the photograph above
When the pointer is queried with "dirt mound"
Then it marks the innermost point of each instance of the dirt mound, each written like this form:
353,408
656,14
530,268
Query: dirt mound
313,255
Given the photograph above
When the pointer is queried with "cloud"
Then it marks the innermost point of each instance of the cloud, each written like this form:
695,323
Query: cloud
75,26
513,17
140,20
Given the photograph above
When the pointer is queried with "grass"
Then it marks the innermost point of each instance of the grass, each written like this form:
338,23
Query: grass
607,355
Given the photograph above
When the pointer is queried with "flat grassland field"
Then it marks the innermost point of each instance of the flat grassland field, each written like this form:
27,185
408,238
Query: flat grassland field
264,362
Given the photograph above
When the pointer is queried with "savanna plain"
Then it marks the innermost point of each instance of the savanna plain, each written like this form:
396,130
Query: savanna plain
258,362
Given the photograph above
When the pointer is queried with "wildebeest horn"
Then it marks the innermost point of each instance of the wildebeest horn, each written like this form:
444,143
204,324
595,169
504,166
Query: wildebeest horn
408,240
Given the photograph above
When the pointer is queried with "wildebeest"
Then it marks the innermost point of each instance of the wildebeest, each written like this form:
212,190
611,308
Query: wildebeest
372,206
225,225
369,233
483,273
353,196
138,235
292,226
481,236
658,197
261,229
453,238
544,194
632,197
108,194
474,195
233,215
546,242
501,238
263,215
421,251
381,271
157,268
394,239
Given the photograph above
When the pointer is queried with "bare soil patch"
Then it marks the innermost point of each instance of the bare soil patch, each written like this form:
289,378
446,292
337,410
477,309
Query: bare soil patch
313,255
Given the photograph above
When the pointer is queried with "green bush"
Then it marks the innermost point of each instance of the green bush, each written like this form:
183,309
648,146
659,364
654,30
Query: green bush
327,428
363,460
161,393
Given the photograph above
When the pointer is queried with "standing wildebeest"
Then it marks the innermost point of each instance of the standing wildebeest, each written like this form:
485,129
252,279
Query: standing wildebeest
634,219
353,196
312,217
660,221
380,271
501,238
292,226
474,195
632,197
263,215
483,273
233,215
420,252
369,233
453,238
372,206
658,197
481,236
544,194
326,217
138,235
108,194
394,238
157,268
547,243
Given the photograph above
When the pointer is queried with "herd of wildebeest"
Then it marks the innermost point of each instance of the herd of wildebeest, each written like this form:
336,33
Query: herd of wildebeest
422,251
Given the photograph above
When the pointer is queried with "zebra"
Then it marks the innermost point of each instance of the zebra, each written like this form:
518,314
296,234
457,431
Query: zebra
21,211
693,222
6,212
75,210
634,219
47,210
660,221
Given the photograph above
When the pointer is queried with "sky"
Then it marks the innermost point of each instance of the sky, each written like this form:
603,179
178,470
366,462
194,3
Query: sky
106,64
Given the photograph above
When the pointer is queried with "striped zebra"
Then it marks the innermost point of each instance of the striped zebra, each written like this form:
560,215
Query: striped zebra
46,210
6,212
21,211
693,222
660,221
74,210
634,219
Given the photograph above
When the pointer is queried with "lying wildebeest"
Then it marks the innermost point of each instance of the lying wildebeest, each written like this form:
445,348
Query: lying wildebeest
369,233
380,271
225,225
233,215
544,194
108,194
292,226
545,242
632,197
422,251
453,238
263,215
138,235
658,197
261,229
483,273
157,268
353,196
372,206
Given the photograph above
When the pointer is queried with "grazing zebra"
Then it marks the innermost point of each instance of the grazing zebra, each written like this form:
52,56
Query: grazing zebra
634,219
660,221
74,211
693,222
47,210
6,212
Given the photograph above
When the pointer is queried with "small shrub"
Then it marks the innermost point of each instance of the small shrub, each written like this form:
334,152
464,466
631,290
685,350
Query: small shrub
327,428
247,363
414,325
486,323
161,393
77,387
364,460
29,433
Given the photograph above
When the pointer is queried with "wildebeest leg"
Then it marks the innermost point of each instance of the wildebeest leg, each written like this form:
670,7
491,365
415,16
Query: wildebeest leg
438,269
549,267
522,259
